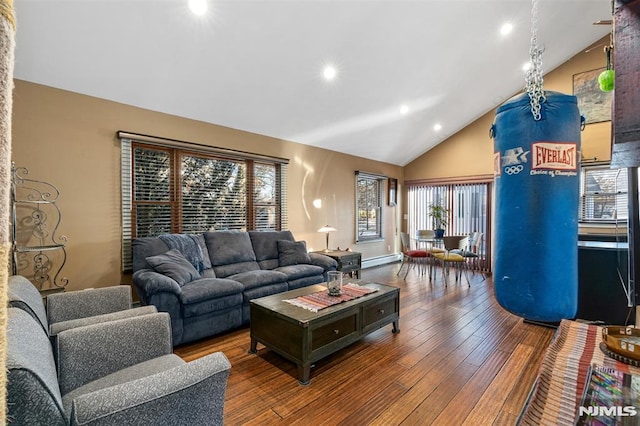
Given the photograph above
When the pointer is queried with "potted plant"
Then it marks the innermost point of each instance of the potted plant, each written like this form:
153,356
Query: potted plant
439,218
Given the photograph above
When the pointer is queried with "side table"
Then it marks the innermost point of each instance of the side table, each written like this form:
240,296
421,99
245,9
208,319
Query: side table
349,262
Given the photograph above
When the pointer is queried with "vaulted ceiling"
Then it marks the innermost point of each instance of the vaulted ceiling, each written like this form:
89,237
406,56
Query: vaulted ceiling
401,66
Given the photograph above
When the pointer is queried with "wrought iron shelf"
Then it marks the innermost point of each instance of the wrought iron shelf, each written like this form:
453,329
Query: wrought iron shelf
38,248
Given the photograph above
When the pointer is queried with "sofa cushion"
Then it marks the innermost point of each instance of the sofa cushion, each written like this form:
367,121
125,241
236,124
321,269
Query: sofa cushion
265,290
33,394
265,246
230,252
174,265
292,253
259,278
144,247
209,288
293,272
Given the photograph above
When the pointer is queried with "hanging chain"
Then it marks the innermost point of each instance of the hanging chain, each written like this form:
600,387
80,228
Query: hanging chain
534,73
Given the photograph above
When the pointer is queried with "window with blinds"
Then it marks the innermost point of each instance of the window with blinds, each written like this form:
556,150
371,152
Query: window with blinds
368,207
603,195
176,190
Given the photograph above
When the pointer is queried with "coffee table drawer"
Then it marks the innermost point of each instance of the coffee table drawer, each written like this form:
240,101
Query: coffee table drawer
380,313
334,331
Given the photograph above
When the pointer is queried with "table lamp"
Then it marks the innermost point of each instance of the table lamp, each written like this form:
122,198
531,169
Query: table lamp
326,229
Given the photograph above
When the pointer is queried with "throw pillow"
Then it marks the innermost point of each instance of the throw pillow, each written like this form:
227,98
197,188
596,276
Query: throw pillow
292,252
174,265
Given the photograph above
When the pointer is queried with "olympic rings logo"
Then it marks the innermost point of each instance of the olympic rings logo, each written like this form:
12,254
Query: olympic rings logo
513,170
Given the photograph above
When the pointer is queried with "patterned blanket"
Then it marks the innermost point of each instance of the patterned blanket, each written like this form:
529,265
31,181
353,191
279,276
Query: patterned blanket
321,299
556,395
188,245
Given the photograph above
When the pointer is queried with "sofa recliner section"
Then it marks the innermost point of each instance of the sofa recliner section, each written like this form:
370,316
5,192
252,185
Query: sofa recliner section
235,267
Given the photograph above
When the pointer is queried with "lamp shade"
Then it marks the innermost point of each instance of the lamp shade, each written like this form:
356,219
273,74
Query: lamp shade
326,229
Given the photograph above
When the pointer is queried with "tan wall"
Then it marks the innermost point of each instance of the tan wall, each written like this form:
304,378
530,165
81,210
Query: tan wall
70,140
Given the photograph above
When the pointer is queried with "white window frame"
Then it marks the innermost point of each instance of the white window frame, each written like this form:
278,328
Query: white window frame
373,211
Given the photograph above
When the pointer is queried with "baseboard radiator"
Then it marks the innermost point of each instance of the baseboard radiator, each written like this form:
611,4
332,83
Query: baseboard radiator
381,260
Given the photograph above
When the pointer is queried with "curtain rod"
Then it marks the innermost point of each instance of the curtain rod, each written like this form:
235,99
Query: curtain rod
175,143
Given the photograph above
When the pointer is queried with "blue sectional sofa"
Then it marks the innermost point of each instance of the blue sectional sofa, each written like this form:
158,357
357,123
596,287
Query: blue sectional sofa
205,281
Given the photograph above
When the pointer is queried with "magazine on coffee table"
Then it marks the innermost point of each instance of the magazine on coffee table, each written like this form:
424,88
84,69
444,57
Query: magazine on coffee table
611,397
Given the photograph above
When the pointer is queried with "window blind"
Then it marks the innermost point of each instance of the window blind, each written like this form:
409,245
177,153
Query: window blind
170,189
603,195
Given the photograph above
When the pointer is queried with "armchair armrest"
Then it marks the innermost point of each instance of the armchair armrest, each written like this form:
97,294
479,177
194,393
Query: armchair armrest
61,326
192,393
327,263
88,353
86,303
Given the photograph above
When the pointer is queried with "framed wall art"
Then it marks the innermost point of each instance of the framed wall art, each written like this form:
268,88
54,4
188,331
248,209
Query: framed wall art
593,103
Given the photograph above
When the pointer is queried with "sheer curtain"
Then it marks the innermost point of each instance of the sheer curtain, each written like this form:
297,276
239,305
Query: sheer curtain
469,210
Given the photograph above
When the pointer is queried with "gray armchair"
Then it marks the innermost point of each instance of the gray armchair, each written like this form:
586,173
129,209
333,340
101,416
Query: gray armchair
75,308
112,373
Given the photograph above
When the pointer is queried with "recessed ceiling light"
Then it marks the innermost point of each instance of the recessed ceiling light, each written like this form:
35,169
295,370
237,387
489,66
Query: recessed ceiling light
404,109
506,28
437,127
198,7
526,66
329,72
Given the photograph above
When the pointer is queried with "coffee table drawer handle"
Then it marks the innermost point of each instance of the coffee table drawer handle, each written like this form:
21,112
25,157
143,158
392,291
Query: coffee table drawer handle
381,311
336,331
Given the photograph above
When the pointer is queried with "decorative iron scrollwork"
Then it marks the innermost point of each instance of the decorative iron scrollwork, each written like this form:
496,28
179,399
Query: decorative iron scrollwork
38,251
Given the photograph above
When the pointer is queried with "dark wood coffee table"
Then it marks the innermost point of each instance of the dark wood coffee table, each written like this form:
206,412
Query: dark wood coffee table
303,336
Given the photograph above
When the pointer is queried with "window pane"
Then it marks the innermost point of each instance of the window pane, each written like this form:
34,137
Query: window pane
152,220
151,175
368,201
603,195
213,194
266,218
265,184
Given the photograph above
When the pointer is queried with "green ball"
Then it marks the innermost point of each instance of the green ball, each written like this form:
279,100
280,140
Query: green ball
606,80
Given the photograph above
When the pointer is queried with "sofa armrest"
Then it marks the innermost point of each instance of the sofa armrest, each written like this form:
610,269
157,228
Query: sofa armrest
85,303
61,326
149,282
88,353
191,394
327,263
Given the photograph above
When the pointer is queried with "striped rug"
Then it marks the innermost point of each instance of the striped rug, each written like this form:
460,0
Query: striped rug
316,301
558,389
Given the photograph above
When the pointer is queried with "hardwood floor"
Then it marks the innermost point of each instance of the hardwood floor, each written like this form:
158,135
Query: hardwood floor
459,359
